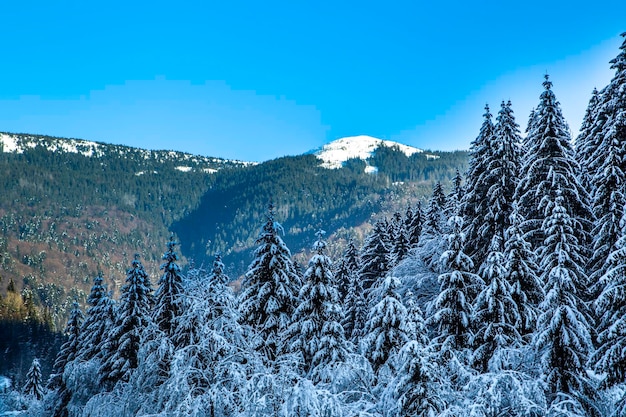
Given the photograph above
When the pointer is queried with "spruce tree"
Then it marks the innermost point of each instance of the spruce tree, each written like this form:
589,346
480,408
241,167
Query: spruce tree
414,223
133,315
497,317
474,202
34,381
549,166
269,290
167,298
97,322
522,270
69,350
563,337
316,330
346,267
374,257
452,308
434,230
610,358
355,307
385,330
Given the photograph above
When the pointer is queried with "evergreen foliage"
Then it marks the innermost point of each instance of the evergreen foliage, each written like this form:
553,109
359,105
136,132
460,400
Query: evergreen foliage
69,350
270,288
34,381
98,322
375,262
167,298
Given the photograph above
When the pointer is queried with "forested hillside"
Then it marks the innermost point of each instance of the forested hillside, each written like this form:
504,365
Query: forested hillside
502,296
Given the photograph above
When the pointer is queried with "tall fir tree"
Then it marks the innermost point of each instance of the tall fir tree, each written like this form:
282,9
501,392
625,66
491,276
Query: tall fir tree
587,140
168,296
474,202
563,337
375,262
522,274
98,321
270,289
355,310
496,317
414,223
550,166
431,242
69,350
34,381
346,267
133,315
316,331
610,358
385,332
452,309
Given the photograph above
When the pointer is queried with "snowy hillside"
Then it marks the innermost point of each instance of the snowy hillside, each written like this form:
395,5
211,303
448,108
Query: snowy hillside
19,143
339,151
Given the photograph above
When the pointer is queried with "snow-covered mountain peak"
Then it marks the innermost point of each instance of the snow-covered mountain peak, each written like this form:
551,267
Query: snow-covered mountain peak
339,151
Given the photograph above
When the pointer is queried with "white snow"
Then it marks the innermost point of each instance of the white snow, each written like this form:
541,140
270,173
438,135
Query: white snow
371,170
5,384
9,143
339,151
184,169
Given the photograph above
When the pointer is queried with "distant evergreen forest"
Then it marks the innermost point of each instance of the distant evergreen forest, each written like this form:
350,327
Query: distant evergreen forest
501,295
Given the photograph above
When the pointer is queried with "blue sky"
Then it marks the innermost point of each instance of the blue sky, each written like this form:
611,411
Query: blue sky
255,80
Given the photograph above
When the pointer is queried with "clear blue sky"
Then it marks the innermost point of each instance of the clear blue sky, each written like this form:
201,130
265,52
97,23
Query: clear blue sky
255,80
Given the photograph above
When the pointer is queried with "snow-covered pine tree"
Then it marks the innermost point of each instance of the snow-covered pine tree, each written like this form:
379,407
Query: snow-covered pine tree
34,381
401,246
587,140
415,325
453,199
474,202
434,229
316,330
355,310
98,321
167,297
549,165
414,391
385,330
414,221
610,358
563,337
605,144
269,289
452,309
497,317
69,350
346,267
522,270
374,256
131,318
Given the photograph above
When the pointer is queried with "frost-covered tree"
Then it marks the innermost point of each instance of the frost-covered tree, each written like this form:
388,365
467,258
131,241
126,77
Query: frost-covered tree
316,331
563,337
497,317
401,246
414,391
474,202
415,324
374,256
414,223
355,308
346,267
69,350
610,358
34,381
587,140
522,274
432,241
167,297
550,167
133,315
98,321
269,289
452,309
385,330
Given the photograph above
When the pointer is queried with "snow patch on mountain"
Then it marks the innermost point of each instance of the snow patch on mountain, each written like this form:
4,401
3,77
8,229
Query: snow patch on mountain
339,151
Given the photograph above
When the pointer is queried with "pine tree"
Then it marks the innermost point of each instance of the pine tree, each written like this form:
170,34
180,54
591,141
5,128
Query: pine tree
269,290
34,381
432,241
69,350
474,202
497,316
452,309
453,199
415,325
132,317
374,257
587,141
355,307
385,332
401,246
98,321
414,223
167,298
563,330
549,166
610,358
521,269
414,391
346,267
